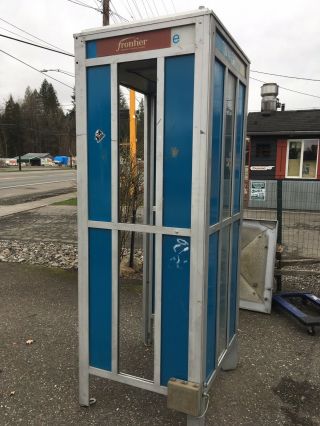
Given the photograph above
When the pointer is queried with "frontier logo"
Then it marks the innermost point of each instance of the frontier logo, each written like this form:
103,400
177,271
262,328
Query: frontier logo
131,43
138,42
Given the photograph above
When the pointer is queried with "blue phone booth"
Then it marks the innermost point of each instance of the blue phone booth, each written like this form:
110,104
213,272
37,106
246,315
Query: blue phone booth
181,307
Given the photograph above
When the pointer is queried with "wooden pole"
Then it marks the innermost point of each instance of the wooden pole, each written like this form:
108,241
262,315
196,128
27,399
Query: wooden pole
105,12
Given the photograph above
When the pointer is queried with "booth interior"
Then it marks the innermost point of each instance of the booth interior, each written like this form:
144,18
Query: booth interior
136,200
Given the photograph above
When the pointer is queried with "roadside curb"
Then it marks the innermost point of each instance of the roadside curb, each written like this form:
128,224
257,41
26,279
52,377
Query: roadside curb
18,208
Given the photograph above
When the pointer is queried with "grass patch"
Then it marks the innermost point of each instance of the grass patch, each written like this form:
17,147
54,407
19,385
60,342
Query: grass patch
70,202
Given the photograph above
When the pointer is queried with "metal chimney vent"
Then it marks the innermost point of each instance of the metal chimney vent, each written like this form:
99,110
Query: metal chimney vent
269,93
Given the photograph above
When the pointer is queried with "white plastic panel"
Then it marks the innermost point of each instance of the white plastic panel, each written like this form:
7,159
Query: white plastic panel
258,251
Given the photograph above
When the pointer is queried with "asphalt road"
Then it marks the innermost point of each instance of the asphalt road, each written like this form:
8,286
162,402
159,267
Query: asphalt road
27,183
31,178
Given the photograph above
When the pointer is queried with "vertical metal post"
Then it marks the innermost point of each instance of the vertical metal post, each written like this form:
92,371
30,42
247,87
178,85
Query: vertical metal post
279,236
199,212
82,181
147,238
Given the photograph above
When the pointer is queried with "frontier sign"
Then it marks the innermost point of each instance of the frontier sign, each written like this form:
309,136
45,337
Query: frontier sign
150,40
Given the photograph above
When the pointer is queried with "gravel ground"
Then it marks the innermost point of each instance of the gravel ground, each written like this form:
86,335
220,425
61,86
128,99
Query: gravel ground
295,282
277,381
54,254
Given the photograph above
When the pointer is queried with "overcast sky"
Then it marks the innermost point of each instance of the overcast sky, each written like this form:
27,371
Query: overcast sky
282,37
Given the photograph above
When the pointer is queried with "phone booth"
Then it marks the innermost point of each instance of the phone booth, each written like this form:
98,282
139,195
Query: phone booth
172,325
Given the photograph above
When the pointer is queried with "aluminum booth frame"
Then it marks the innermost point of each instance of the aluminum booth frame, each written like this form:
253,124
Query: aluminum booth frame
198,197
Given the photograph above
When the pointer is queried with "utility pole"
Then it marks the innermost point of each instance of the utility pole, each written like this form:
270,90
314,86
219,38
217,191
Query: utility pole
105,12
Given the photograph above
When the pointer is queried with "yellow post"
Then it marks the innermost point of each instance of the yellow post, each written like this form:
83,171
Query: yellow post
133,161
133,133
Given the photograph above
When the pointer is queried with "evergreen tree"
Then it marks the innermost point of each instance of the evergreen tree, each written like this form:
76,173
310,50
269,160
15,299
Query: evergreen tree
70,126
49,98
32,110
52,120
12,126
140,129
123,118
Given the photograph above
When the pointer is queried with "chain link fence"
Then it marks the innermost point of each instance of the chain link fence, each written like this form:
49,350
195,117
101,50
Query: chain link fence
296,206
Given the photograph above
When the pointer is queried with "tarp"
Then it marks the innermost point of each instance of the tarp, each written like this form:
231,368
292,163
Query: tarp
61,159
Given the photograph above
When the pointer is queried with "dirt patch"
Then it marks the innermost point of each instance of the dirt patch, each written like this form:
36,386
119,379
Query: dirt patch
301,399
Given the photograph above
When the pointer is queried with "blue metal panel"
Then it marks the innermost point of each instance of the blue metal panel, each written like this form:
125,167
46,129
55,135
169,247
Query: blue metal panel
99,152
91,49
212,304
239,149
218,89
175,308
177,149
100,298
234,279
230,55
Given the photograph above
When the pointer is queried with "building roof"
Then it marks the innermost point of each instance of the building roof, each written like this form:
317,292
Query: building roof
284,122
33,155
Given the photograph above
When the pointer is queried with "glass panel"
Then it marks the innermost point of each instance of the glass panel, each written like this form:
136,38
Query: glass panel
131,164
135,354
234,280
218,89
228,144
310,153
212,303
223,287
294,159
239,148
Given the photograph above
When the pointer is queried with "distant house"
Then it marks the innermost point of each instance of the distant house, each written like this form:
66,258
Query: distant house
36,159
284,144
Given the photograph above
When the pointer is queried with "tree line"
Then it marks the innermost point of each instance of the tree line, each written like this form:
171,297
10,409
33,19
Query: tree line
37,123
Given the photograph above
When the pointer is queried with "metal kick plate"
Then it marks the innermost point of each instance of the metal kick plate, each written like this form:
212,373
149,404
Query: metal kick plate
185,397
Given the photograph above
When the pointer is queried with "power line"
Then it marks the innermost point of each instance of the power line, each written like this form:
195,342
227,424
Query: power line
286,76
126,7
26,32
115,12
17,34
174,8
136,6
154,4
120,17
165,7
79,3
132,14
68,73
151,10
144,6
289,90
37,45
35,69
